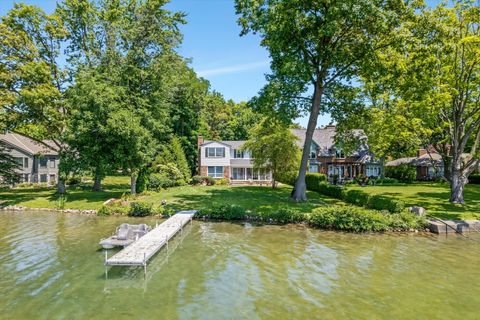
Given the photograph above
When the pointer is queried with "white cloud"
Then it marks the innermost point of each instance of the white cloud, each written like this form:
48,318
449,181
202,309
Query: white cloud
233,69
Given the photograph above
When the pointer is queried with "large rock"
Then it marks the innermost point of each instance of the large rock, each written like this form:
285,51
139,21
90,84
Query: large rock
419,211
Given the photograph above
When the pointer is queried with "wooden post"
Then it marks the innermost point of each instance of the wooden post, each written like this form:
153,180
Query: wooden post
144,265
106,267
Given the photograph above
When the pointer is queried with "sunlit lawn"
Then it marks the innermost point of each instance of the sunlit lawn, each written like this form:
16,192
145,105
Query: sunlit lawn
433,197
186,197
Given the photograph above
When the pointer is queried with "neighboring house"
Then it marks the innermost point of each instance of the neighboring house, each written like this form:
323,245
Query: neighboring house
328,157
428,163
225,159
37,162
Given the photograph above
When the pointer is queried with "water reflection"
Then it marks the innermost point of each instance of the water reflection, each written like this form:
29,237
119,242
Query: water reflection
52,268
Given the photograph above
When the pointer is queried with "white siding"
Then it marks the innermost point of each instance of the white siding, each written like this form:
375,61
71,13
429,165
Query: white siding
224,162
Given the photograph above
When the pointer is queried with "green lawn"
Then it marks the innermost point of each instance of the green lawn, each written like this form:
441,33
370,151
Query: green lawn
433,197
186,197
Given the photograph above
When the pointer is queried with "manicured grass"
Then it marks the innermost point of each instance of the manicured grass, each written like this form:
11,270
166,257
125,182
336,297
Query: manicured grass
186,197
433,197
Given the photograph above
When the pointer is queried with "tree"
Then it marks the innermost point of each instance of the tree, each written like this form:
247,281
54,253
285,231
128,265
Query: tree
433,80
32,82
274,149
8,165
313,46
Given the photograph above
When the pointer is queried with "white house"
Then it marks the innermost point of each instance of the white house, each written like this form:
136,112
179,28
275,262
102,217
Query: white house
225,159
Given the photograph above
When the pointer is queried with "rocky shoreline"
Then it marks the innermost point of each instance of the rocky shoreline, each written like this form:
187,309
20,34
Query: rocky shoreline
74,211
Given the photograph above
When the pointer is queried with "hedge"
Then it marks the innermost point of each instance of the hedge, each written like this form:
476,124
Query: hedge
350,218
361,198
314,180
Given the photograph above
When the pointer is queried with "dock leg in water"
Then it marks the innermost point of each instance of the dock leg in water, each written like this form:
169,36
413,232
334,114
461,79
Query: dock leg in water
106,267
144,265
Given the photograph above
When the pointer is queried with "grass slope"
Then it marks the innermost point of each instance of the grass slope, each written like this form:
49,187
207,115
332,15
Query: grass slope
433,197
186,197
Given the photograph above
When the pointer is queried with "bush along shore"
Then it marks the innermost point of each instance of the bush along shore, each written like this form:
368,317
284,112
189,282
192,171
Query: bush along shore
345,218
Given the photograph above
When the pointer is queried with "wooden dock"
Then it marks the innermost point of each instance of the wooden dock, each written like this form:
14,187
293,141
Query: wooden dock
139,252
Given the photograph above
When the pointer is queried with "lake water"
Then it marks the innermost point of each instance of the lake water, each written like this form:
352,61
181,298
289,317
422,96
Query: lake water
52,268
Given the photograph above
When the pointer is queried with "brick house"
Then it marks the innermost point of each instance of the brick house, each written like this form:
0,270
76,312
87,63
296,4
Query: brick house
225,159
37,162
428,163
327,157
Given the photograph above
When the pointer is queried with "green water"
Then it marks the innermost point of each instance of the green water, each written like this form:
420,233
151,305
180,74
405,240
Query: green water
51,268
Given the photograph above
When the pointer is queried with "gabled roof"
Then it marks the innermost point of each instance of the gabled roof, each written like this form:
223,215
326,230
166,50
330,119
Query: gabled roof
228,143
324,138
28,145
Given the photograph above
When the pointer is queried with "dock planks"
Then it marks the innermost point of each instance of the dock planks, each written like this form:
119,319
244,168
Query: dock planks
139,252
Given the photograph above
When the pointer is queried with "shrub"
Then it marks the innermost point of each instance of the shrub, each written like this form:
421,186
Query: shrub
140,209
379,202
171,171
157,181
283,215
313,180
404,173
383,181
223,212
333,191
142,181
287,177
206,180
115,208
222,181
348,218
73,181
356,197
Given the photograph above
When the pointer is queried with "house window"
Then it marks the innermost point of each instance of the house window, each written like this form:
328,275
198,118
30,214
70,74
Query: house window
18,161
215,172
52,179
52,162
43,162
238,173
313,168
313,151
43,178
215,152
339,153
238,154
25,162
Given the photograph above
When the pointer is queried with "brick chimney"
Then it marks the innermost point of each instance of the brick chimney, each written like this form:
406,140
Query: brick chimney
199,140
330,126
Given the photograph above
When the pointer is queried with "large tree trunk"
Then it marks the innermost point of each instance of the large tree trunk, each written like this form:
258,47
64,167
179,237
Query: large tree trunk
457,186
133,183
299,190
61,189
97,181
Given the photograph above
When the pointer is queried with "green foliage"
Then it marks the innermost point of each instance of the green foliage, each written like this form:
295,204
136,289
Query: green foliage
115,208
314,180
282,216
180,158
404,172
60,202
356,197
157,181
206,180
379,202
350,218
142,180
273,146
222,181
330,190
383,181
140,209
171,172
8,165
223,212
